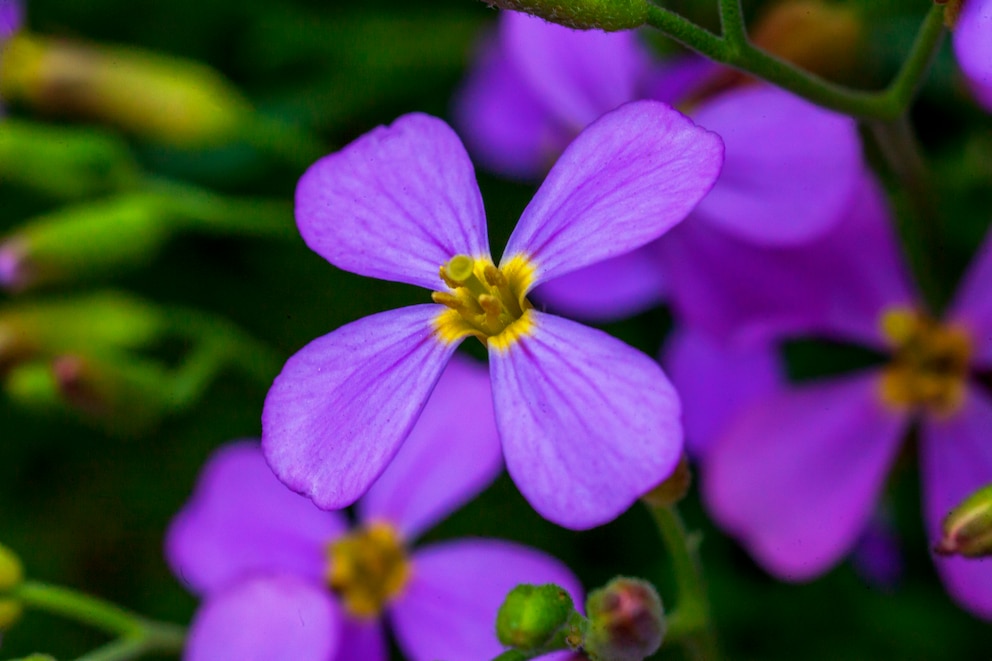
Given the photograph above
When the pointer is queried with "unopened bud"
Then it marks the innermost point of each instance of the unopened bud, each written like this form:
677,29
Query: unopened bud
673,489
162,98
11,575
626,621
968,527
532,615
952,10
817,36
84,241
608,15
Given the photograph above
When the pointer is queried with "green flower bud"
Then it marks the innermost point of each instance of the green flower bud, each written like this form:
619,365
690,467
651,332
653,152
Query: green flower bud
608,15
11,574
11,571
626,621
165,99
968,527
531,615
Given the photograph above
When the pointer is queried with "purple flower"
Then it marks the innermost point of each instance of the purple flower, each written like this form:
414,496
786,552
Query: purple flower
797,476
283,579
790,167
973,47
587,423
716,381
11,20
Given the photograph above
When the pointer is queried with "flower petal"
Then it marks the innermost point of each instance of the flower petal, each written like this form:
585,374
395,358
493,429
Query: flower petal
452,454
265,618
973,47
611,289
972,305
790,169
629,176
717,381
395,204
344,403
588,423
506,127
362,640
956,460
242,520
577,74
796,477
448,611
836,287
11,18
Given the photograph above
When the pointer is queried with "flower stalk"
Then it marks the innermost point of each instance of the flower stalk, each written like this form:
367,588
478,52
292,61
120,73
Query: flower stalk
689,622
733,49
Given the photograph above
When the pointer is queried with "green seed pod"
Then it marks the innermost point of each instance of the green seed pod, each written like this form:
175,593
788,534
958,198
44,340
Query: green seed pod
531,615
608,15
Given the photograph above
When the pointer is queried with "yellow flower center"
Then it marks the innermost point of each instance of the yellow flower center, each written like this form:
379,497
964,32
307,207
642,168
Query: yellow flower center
930,362
368,567
486,302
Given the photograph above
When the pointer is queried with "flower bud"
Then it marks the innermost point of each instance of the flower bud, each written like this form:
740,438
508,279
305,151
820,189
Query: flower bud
968,527
817,36
165,99
626,621
531,615
64,162
608,15
673,489
11,575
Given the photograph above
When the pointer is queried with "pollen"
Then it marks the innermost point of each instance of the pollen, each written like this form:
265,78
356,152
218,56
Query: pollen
485,301
930,362
368,568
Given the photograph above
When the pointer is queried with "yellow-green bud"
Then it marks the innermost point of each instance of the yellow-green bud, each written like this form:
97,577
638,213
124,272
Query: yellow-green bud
608,15
11,575
11,571
531,615
162,98
626,621
968,527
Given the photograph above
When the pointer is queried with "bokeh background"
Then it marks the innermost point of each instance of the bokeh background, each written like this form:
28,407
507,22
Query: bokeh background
86,501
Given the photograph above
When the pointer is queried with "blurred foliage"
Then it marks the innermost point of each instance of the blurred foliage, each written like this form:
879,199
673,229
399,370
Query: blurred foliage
89,509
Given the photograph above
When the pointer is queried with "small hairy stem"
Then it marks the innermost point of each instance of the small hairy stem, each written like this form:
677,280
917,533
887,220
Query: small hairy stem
735,50
690,622
136,635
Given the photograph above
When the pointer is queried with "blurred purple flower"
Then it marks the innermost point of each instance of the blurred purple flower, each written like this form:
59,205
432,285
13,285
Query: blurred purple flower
11,20
973,47
587,423
790,170
797,475
283,579
716,381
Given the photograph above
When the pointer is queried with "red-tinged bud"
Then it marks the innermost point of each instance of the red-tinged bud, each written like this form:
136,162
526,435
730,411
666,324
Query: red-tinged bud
968,528
608,15
626,621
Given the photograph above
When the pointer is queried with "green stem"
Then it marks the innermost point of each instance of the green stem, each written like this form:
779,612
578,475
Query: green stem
690,622
732,24
136,635
734,50
919,228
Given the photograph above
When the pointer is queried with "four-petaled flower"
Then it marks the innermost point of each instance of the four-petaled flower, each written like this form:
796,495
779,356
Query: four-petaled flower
282,579
797,475
588,424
